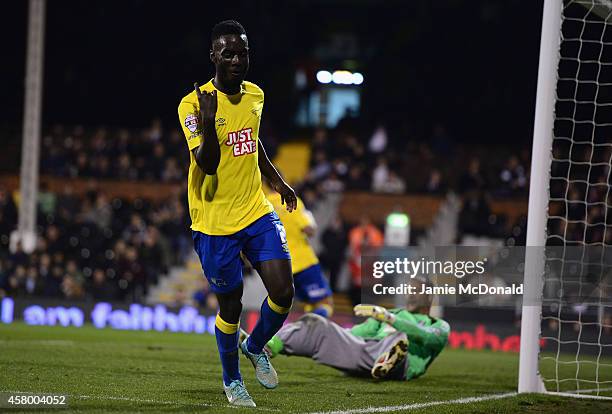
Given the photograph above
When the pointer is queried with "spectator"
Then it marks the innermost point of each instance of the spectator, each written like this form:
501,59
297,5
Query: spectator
474,216
153,256
33,285
53,282
435,185
17,282
357,180
67,204
3,278
380,174
320,142
100,288
364,238
472,179
393,185
332,184
54,243
8,216
513,177
378,140
136,231
72,288
46,200
334,241
44,267
132,276
155,132
74,272
100,213
156,163
124,168
320,167
171,172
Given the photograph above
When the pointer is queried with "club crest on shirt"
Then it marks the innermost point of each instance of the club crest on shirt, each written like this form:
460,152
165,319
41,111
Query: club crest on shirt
191,122
242,142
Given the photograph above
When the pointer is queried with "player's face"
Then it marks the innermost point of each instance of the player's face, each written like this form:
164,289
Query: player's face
230,55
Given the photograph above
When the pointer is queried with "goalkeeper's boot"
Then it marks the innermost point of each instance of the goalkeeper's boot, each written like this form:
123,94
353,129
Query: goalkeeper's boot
387,361
264,371
237,394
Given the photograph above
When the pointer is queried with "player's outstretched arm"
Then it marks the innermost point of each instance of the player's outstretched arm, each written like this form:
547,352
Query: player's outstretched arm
275,180
424,335
208,154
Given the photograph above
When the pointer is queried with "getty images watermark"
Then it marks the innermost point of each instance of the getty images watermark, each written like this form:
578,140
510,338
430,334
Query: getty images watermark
485,276
422,267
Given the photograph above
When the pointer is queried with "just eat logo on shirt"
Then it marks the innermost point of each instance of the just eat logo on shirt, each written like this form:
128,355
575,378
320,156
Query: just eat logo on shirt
242,142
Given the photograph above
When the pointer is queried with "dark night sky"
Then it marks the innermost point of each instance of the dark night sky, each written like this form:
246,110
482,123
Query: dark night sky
470,65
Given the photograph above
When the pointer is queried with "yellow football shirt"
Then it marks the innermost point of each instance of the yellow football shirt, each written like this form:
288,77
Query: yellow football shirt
302,254
227,202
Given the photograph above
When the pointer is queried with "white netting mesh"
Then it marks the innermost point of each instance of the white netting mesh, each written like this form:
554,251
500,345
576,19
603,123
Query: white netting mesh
577,307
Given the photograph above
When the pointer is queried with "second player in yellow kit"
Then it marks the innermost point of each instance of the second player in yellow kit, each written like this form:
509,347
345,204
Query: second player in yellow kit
311,286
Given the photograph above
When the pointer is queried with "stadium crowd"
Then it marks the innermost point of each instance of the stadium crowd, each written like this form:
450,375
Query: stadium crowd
581,208
115,249
341,160
122,154
381,163
93,247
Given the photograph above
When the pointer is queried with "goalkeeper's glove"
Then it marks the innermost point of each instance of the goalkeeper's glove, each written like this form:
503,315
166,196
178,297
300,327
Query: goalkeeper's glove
377,312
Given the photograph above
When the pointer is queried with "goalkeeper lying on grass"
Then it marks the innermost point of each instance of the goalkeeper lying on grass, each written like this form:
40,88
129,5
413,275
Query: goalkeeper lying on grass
390,344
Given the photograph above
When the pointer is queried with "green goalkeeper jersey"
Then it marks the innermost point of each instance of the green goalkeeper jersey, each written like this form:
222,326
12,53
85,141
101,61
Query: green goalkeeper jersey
427,337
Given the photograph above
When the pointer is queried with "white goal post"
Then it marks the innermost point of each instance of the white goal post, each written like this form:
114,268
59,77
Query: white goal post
570,194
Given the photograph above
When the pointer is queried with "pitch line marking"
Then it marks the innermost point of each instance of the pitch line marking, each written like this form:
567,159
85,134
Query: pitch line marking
589,390
583,396
140,400
417,406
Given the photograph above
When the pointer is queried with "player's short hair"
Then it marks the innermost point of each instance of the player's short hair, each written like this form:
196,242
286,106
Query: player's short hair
226,27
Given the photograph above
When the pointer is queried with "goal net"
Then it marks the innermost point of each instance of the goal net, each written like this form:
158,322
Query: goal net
571,207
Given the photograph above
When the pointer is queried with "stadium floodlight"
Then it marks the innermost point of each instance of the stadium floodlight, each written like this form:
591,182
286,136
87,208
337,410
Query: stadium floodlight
570,195
324,76
342,77
339,77
357,78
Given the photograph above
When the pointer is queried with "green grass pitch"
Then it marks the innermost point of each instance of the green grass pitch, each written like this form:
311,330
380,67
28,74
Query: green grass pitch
106,371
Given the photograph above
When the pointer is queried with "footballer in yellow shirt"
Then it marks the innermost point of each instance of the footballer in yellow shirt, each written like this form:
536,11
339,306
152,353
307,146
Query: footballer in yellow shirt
311,286
229,211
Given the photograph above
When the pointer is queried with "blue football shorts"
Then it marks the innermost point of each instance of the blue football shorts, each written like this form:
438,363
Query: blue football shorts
311,286
265,239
